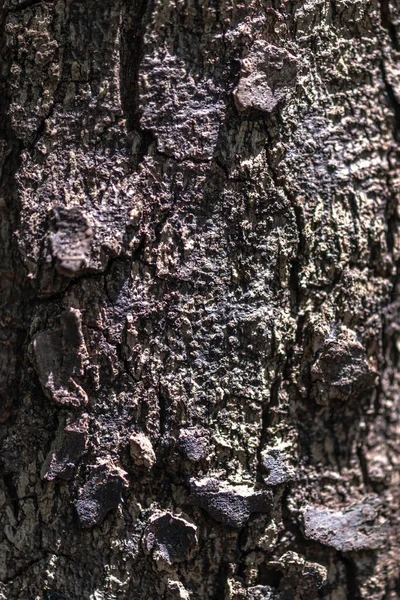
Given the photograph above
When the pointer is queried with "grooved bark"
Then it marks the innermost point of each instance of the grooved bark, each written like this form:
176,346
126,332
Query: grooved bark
199,275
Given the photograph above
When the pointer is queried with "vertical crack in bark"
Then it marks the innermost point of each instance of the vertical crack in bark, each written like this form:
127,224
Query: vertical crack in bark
221,578
364,467
388,24
333,11
392,102
12,493
163,412
388,346
132,49
353,591
294,280
267,417
14,305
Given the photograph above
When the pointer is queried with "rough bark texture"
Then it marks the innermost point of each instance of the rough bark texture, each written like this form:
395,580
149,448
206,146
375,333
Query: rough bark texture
200,315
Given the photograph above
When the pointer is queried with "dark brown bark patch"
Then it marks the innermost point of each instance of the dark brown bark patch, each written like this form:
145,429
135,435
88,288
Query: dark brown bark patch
170,538
99,495
230,505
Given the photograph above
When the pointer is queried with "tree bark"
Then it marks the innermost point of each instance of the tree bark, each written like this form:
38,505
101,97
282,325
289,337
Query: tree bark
199,348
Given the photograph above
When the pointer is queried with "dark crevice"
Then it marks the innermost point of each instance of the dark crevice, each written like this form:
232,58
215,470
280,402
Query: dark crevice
290,525
147,139
355,212
133,30
241,554
387,23
267,419
163,412
393,103
11,493
268,414
369,484
42,127
17,306
269,577
351,578
391,206
364,466
334,11
397,587
221,579
137,253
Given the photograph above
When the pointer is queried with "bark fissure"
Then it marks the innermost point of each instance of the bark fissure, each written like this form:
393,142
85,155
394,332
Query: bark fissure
351,578
200,252
134,23
388,24
12,493
393,103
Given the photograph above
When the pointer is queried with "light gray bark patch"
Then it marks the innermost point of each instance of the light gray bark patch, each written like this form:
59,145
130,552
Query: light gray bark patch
268,73
170,538
262,592
141,450
176,591
99,495
277,471
230,505
71,241
357,528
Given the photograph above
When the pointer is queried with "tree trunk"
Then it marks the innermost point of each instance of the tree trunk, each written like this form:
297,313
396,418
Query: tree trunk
199,351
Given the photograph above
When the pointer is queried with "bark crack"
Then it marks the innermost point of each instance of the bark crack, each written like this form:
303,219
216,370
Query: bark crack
388,24
351,578
12,493
131,53
392,102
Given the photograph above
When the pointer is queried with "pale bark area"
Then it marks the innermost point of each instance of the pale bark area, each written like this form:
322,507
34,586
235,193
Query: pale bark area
199,359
